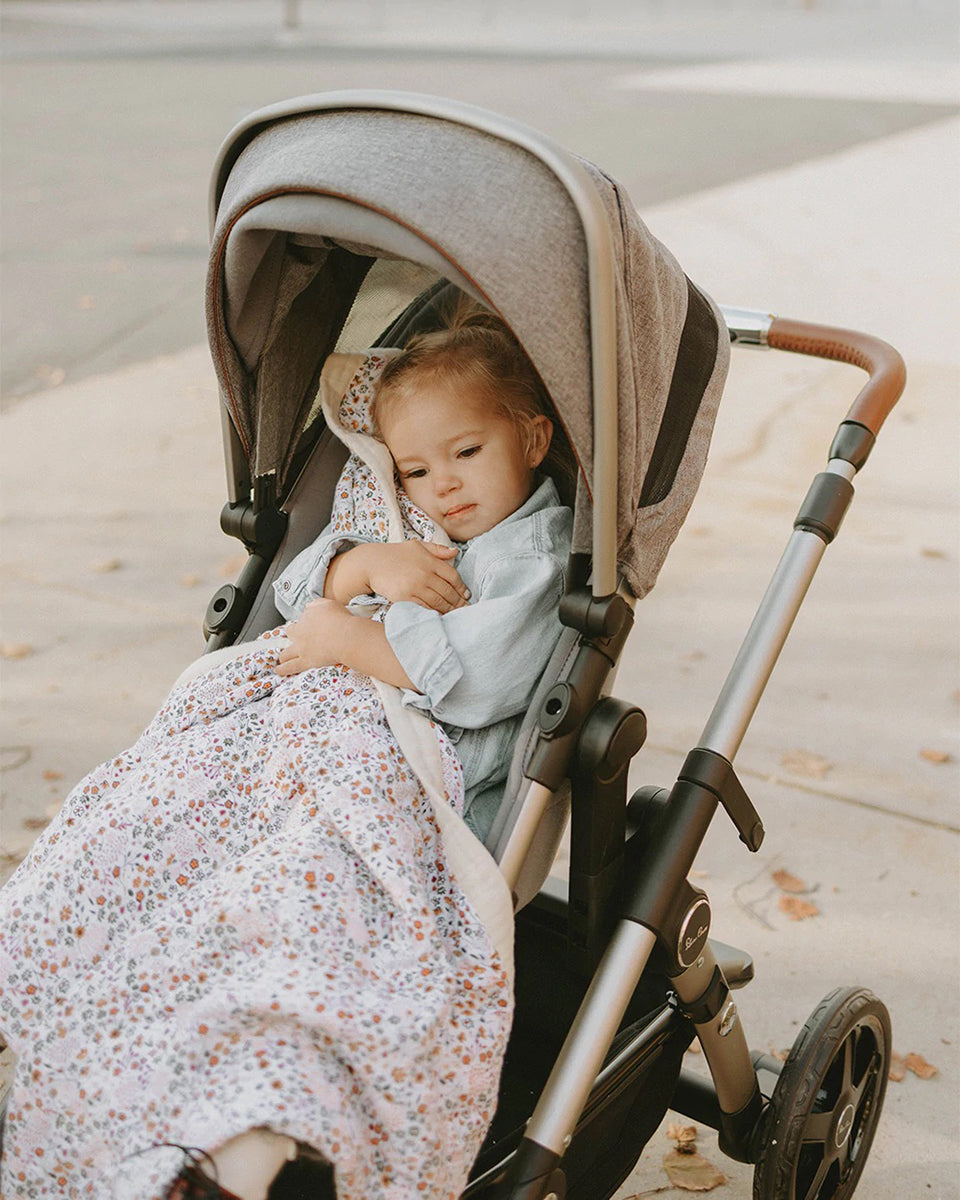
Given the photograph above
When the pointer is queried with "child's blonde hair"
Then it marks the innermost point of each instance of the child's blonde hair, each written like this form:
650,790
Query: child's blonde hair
476,351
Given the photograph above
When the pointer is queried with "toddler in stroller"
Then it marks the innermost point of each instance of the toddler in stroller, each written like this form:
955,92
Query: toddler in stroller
464,418
340,222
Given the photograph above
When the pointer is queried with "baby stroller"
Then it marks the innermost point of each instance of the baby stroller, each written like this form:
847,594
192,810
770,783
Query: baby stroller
349,220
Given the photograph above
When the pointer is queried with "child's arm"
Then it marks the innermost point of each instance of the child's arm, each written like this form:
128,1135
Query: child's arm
327,634
411,570
477,665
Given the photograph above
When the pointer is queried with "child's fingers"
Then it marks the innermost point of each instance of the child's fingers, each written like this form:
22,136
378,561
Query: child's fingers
452,592
441,599
440,551
290,661
451,576
291,665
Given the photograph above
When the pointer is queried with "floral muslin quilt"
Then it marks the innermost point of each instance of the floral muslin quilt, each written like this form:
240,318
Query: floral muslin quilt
252,918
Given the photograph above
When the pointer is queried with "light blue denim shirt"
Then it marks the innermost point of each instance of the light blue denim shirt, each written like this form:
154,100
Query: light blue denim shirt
475,668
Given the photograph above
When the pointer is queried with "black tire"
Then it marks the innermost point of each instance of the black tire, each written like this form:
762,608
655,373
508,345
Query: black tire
826,1104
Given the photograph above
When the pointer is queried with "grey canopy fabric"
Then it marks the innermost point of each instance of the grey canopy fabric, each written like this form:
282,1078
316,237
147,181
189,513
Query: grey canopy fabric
331,218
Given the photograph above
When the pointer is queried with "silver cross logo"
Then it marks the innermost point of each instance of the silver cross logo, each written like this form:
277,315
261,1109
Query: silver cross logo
844,1125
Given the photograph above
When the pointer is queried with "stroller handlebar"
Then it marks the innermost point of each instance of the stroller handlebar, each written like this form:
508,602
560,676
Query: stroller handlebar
883,364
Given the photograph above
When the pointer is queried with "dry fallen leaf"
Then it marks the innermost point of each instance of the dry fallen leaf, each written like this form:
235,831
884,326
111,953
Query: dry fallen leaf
933,552
685,1137
53,774
105,565
802,762
787,882
797,909
51,376
936,756
15,650
919,1066
692,1172
897,1069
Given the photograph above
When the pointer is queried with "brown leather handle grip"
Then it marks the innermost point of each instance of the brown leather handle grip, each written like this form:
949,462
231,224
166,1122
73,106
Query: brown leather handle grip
888,374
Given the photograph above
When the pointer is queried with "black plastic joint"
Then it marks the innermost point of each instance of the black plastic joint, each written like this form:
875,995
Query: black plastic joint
853,443
261,531
600,618
535,1172
711,1001
825,505
225,612
740,1132
561,710
708,769
612,734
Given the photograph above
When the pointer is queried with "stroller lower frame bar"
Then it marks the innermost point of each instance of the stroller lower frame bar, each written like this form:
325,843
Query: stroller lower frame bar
665,919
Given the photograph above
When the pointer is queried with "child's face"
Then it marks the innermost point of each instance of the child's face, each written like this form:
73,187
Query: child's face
459,460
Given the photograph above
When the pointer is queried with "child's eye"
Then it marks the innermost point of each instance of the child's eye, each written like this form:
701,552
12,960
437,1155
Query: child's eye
416,473
469,452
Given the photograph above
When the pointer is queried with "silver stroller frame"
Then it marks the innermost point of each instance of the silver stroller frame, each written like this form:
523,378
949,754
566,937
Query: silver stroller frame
706,781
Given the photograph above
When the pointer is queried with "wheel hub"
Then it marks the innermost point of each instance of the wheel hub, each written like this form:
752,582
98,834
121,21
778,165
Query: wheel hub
844,1124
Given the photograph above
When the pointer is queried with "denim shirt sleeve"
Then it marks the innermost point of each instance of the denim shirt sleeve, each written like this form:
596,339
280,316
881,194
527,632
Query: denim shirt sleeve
304,577
478,664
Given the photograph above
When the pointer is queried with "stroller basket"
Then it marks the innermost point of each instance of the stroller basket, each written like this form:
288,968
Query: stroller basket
342,222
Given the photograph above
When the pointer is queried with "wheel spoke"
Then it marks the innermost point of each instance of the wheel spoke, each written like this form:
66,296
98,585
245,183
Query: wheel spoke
860,1096
817,1128
813,1191
847,1050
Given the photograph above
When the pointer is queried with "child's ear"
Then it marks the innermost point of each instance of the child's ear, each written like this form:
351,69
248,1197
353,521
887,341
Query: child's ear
539,433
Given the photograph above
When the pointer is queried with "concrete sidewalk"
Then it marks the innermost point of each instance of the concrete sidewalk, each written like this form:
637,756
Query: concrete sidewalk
111,549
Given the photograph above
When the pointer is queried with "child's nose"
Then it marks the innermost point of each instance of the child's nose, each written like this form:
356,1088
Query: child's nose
446,481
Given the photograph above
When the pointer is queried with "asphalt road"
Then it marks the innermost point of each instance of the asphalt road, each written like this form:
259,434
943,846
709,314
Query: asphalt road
108,143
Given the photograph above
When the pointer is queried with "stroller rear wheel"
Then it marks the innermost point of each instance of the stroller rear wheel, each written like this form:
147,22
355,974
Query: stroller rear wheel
826,1104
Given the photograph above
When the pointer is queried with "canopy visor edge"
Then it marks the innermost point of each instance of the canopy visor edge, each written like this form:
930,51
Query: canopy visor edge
601,268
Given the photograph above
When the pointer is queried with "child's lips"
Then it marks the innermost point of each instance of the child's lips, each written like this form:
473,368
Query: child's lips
460,510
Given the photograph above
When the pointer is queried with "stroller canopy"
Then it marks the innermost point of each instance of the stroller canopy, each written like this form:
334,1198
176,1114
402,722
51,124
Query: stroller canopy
331,213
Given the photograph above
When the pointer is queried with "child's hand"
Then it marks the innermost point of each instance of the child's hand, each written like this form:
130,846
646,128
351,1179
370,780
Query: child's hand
317,639
327,634
411,570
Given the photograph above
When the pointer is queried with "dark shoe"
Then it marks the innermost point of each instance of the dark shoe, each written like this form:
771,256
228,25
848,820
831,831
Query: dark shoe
308,1177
